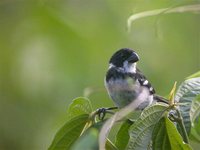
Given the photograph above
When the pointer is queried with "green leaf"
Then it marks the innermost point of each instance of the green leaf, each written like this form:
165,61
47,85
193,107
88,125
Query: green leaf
195,109
187,87
186,93
166,136
154,12
195,118
89,139
69,133
160,137
141,131
110,145
122,136
195,75
175,138
195,132
78,107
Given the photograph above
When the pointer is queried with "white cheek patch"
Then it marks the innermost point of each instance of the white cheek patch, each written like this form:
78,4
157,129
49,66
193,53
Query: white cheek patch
133,68
129,67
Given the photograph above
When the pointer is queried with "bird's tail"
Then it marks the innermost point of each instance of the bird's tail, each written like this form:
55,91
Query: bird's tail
159,98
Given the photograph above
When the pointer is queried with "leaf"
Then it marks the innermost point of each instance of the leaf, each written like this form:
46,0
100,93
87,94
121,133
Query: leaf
179,9
110,145
166,137
78,107
195,132
195,118
197,74
188,86
122,136
141,131
69,133
89,139
186,93
175,138
195,109
160,137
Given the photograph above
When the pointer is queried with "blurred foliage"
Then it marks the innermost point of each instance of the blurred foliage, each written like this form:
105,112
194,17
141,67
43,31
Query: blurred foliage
50,51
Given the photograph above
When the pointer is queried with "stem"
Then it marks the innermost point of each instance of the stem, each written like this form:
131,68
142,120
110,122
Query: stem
182,126
187,8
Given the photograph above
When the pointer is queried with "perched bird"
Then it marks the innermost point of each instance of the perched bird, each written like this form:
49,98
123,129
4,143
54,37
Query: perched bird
123,77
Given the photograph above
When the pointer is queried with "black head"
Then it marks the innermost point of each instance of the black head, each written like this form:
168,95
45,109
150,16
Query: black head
123,55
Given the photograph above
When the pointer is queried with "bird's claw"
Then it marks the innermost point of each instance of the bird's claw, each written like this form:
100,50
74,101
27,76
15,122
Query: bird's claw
101,112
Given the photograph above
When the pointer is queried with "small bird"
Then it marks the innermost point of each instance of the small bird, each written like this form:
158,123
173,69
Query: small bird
123,77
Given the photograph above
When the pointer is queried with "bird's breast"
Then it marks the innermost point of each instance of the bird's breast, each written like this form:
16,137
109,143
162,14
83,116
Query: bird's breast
122,91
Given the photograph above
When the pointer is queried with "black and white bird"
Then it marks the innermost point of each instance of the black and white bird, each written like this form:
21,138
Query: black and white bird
123,77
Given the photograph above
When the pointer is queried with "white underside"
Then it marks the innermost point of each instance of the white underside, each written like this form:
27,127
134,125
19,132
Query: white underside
123,92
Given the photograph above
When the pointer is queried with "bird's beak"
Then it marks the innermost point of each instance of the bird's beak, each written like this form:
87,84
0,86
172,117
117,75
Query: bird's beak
133,58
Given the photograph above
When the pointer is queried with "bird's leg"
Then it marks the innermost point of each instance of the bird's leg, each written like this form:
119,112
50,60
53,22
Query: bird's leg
101,112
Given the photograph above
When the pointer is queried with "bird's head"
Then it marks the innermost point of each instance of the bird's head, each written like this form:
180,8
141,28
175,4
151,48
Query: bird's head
124,58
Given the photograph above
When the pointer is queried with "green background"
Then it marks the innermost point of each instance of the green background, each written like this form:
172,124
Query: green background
52,51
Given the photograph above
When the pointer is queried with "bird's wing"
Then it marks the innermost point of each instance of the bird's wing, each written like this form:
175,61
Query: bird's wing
143,81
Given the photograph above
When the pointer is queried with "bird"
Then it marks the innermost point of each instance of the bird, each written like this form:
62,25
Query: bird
123,78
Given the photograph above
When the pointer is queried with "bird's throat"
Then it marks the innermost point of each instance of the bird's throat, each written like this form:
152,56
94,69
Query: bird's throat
129,67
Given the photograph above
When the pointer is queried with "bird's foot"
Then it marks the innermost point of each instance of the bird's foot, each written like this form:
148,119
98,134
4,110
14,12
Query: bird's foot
101,112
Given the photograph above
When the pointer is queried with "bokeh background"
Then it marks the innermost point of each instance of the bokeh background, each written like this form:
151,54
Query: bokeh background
52,51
